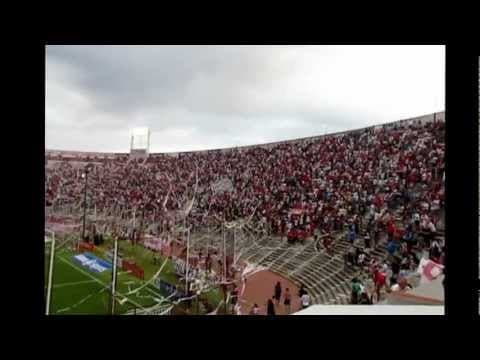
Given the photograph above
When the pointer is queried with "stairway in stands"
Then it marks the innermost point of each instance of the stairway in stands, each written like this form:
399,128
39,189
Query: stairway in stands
326,278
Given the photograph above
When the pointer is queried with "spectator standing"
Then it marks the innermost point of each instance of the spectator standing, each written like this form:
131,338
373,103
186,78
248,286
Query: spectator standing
278,292
351,255
301,291
365,299
208,263
234,295
287,301
254,310
367,240
380,277
355,291
351,233
237,309
305,300
395,270
270,307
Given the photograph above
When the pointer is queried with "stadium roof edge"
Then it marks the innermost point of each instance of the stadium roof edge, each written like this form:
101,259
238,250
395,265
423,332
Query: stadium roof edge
87,152
256,145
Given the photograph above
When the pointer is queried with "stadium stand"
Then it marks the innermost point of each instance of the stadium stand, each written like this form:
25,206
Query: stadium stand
322,211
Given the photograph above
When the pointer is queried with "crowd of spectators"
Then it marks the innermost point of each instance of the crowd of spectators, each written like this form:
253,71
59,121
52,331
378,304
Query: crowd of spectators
405,249
293,189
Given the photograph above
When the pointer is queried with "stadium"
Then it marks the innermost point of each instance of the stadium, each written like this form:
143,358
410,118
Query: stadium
343,219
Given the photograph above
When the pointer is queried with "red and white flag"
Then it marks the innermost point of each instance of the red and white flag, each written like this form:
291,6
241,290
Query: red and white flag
429,270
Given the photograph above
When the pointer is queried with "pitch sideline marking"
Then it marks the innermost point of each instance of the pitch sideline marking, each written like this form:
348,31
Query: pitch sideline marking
72,283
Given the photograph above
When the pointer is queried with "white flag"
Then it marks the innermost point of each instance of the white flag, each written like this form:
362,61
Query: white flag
429,270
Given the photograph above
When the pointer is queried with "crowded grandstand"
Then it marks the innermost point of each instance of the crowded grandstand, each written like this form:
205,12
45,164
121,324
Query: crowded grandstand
344,218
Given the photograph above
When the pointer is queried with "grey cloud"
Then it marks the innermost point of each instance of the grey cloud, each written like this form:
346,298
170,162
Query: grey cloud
125,79
201,95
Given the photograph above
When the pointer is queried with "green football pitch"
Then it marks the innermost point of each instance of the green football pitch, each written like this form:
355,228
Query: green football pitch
77,290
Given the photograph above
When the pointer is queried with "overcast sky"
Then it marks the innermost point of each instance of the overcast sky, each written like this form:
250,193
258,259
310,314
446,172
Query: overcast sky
204,97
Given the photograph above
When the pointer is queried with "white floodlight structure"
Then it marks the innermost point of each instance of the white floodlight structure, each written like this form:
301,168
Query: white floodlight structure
140,141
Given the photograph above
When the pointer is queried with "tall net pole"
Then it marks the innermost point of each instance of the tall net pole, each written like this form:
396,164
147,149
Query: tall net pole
50,274
114,275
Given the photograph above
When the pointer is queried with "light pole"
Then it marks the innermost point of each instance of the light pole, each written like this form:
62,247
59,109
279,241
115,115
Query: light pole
85,175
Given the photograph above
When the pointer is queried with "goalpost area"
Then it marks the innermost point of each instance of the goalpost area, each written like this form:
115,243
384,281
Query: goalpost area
79,290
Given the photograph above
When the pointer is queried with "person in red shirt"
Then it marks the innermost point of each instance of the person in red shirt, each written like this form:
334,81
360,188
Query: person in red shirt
327,243
391,229
380,281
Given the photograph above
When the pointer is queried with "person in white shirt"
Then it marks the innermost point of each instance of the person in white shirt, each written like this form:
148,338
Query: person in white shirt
416,219
237,309
361,259
305,301
255,310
